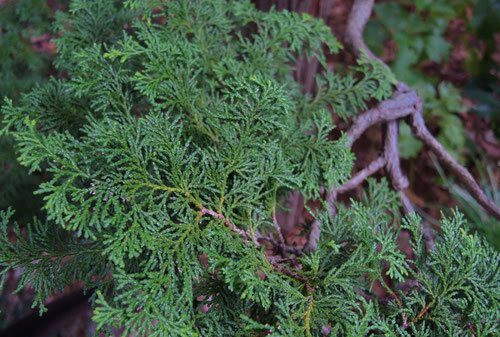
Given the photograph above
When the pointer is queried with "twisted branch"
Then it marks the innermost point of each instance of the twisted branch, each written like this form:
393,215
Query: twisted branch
405,102
400,105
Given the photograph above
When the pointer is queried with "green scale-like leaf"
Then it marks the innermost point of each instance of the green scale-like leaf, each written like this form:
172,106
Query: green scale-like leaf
178,120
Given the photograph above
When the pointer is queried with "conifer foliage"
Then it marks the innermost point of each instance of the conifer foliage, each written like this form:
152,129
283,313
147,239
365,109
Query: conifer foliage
168,145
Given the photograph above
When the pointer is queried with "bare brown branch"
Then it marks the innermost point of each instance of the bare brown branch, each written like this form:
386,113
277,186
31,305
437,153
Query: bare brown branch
358,17
451,163
361,176
402,104
391,154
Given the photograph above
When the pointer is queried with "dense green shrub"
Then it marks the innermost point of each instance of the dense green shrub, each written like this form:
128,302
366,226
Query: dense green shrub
168,146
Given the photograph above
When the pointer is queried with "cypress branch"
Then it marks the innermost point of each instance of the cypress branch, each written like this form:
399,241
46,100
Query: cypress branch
167,149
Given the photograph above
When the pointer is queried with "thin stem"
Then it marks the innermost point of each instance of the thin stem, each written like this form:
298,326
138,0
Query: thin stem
227,222
174,190
274,261
307,316
423,312
203,210
362,175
